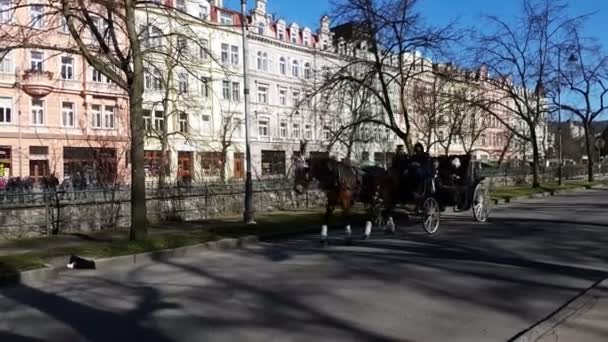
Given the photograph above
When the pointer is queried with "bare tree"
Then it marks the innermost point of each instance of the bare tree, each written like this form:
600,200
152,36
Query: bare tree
388,34
518,55
586,79
108,35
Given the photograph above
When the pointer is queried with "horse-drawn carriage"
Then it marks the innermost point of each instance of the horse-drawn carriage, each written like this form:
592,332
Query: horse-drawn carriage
431,185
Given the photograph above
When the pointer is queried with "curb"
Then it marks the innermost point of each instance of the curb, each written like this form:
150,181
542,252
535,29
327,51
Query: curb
562,314
42,274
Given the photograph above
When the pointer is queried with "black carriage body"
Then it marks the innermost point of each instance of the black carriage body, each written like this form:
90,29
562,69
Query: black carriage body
457,192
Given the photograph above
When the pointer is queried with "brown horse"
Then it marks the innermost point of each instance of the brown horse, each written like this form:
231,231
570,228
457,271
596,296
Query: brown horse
343,185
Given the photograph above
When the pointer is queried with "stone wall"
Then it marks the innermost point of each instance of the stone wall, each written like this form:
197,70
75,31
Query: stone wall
97,211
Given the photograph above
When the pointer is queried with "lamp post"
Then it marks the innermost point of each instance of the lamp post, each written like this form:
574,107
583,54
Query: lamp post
560,166
248,214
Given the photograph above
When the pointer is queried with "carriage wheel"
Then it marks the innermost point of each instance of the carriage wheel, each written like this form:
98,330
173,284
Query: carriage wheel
431,215
481,202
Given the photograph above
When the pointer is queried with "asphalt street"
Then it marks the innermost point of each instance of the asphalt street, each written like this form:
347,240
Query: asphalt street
470,282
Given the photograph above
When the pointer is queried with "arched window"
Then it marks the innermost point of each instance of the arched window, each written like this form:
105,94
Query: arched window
295,69
282,66
307,71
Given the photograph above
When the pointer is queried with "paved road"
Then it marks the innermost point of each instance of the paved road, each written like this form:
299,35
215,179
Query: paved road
471,282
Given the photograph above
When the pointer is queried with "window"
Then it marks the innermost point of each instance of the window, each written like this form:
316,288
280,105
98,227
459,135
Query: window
37,112
261,28
108,117
67,114
262,61
183,123
295,131
262,94
236,91
263,128
204,90
234,54
306,39
147,120
225,53
182,44
36,60
237,127
96,116
225,18
308,132
182,83
5,7
281,33
203,11
6,110
67,68
211,163
226,90
283,97
295,69
273,163
156,80
294,36
180,5
36,14
326,133
283,130
308,99
98,77
296,99
6,62
159,120
206,125
282,66
203,52
153,36
307,71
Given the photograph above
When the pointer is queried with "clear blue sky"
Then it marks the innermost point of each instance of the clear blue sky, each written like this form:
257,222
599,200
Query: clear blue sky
308,12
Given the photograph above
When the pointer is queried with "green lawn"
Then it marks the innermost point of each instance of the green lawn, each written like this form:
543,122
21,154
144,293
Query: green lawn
116,244
510,192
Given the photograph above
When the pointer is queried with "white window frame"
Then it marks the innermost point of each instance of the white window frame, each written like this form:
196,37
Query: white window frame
203,12
109,117
234,55
283,128
35,63
68,115
283,97
37,17
295,131
295,98
96,116
6,106
67,69
182,82
38,113
158,120
294,36
236,91
263,93
203,52
184,126
5,15
307,71
295,68
283,66
6,64
225,56
308,132
265,125
206,124
181,5
226,93
204,87
281,33
226,18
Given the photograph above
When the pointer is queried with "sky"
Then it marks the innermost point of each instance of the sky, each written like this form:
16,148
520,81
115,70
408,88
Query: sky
437,12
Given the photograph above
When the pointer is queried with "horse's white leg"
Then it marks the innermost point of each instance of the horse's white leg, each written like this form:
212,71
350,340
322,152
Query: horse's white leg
368,229
390,225
349,232
324,233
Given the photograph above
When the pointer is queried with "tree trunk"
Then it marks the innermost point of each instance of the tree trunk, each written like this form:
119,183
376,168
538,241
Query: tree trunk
223,161
589,150
535,159
138,229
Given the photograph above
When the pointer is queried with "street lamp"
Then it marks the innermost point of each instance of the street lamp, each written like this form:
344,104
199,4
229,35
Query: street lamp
560,152
248,214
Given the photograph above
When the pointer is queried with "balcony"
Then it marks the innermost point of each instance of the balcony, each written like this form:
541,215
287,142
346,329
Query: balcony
37,83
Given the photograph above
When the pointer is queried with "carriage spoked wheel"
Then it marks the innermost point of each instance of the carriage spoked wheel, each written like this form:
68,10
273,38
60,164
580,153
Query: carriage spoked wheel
431,214
481,202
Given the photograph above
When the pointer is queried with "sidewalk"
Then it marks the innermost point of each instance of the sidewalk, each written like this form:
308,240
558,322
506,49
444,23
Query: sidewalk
585,319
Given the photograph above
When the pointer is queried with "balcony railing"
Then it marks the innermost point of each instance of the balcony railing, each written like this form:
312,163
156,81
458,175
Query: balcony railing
37,83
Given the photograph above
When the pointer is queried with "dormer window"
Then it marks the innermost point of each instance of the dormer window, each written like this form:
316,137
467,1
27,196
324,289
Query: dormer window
294,36
306,39
226,18
261,27
203,11
180,5
281,33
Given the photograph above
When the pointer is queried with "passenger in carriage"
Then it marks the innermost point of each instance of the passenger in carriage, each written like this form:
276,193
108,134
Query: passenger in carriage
419,166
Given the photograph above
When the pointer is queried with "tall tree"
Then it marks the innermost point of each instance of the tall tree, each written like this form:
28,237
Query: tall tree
109,36
518,55
585,78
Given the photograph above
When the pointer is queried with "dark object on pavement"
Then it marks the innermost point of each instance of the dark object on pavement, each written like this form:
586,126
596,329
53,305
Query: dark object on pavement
79,263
